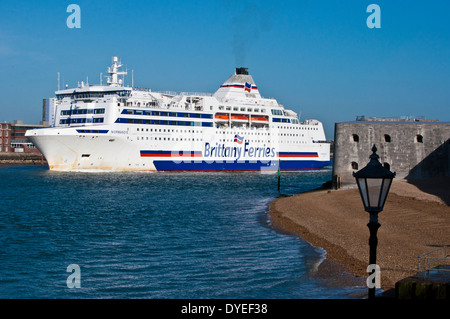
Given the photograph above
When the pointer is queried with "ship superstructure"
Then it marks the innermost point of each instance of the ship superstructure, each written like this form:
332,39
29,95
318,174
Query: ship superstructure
116,127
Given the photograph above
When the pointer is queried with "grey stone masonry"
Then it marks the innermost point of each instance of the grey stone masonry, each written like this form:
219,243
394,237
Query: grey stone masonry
412,149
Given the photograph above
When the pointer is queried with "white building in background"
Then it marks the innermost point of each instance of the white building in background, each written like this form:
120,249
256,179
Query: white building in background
48,111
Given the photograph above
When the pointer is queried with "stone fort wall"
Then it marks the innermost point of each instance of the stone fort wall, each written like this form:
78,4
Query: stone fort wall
412,149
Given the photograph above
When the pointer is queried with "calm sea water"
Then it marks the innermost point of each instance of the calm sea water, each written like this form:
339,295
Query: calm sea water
152,235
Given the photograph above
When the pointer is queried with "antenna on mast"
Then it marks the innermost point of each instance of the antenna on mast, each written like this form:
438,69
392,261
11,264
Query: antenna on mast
114,72
132,78
58,81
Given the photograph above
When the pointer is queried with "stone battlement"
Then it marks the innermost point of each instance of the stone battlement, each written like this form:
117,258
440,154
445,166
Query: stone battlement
412,149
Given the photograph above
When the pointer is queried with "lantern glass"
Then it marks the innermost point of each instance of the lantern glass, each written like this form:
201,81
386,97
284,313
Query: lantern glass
374,192
384,191
363,190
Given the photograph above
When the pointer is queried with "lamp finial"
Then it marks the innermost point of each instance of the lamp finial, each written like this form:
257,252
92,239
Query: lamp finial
374,156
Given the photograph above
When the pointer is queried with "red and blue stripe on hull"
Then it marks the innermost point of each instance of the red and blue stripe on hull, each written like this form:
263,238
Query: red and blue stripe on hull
181,163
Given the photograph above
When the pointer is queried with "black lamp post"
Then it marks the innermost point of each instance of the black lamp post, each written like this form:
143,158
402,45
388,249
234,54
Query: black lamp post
373,182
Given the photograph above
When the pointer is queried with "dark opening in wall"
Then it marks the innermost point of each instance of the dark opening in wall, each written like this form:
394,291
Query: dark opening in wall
355,138
387,138
354,165
419,138
386,165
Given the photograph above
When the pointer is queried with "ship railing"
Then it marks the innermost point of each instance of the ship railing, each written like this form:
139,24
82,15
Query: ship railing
141,89
436,260
196,93
174,93
309,122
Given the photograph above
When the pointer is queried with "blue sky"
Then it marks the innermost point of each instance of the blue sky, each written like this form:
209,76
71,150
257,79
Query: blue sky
317,58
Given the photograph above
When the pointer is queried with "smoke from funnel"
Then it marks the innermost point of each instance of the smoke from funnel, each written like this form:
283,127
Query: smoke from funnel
247,28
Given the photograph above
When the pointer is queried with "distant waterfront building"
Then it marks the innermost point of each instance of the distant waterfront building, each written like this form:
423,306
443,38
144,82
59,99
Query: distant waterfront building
48,111
13,139
5,137
414,148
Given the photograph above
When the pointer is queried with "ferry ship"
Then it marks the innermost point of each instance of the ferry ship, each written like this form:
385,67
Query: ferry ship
118,127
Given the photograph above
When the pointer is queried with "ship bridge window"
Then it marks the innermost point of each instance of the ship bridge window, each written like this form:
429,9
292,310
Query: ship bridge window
277,112
281,120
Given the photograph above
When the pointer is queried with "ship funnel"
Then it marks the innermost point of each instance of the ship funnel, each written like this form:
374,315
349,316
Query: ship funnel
238,86
243,71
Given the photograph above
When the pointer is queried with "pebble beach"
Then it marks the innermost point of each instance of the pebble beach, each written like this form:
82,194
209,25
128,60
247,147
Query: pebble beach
415,220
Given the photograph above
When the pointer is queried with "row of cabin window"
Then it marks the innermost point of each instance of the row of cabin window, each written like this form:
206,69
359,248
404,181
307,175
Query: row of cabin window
82,111
175,139
163,113
298,128
81,120
92,94
242,109
163,122
292,121
387,138
265,141
164,130
196,131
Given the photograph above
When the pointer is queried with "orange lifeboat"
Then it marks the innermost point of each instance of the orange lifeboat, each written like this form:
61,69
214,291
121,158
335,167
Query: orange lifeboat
239,117
259,118
221,116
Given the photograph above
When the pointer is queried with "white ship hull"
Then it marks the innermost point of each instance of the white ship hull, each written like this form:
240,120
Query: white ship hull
67,150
